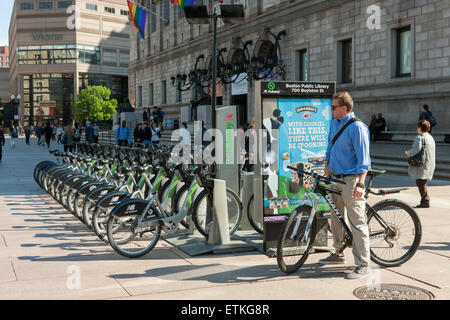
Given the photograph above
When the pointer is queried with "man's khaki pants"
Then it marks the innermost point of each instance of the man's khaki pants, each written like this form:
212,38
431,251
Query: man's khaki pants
353,211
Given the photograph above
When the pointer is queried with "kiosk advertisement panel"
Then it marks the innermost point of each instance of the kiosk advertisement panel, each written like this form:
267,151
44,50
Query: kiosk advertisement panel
297,118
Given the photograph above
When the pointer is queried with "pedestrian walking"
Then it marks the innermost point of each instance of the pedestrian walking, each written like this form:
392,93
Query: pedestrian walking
53,132
138,134
424,142
89,133
147,136
48,134
96,132
426,114
2,143
12,134
160,117
123,135
348,159
68,139
37,132
59,134
76,137
27,134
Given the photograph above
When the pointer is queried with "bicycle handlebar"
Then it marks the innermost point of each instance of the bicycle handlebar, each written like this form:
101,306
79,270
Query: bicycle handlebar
318,176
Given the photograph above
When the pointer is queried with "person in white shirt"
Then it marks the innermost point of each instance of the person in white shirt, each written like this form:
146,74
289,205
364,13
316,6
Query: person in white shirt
59,133
156,132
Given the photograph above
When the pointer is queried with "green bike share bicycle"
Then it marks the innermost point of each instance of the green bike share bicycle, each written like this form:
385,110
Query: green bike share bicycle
395,230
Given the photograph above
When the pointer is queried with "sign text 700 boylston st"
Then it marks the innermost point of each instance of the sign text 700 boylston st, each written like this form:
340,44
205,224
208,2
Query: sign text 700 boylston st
282,88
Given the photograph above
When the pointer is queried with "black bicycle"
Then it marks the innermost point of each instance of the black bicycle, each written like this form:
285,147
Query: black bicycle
395,230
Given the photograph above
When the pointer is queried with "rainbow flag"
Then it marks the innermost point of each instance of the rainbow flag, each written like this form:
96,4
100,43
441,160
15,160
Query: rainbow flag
183,3
138,16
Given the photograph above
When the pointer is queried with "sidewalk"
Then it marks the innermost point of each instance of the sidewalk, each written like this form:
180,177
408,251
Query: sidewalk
44,251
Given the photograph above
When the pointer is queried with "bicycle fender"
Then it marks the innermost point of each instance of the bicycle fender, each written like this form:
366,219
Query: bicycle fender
129,207
111,199
99,193
84,190
81,182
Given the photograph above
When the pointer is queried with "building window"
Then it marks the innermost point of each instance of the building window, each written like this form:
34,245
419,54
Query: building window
64,4
110,10
153,21
302,65
58,54
345,61
139,97
124,12
45,5
163,92
27,6
91,6
403,52
150,94
166,11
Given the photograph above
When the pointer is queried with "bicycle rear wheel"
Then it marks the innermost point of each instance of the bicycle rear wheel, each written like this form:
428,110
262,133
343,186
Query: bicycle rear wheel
203,208
387,248
293,247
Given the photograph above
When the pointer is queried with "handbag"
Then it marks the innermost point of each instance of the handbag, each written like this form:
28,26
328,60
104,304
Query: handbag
418,159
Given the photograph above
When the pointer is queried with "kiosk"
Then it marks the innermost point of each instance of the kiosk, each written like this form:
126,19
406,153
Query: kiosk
292,120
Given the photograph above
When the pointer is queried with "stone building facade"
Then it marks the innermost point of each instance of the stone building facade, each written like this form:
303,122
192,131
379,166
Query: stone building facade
59,47
391,55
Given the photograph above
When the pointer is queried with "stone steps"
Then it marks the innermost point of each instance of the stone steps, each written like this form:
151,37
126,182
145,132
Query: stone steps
397,165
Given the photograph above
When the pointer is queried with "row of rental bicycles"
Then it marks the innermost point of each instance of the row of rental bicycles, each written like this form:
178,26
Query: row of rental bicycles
128,195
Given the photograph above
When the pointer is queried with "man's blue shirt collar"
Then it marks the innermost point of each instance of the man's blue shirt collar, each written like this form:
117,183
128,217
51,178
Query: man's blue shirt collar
347,118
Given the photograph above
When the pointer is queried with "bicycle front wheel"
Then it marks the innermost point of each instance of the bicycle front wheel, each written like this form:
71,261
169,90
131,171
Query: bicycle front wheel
395,232
294,244
122,235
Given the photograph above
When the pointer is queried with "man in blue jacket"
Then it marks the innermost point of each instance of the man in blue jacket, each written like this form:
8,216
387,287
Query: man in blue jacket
123,135
348,159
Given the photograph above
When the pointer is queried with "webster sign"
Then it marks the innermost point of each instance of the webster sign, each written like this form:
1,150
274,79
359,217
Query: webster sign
47,36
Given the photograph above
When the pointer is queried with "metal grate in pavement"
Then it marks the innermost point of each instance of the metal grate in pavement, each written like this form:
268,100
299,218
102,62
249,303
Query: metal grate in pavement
392,292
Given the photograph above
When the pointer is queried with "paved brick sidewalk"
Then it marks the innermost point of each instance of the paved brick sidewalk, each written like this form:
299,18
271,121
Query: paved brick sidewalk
43,247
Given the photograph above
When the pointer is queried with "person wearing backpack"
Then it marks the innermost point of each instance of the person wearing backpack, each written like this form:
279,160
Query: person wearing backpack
426,114
123,135
347,158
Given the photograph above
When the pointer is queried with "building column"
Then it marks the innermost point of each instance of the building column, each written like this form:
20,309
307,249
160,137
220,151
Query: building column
21,102
76,84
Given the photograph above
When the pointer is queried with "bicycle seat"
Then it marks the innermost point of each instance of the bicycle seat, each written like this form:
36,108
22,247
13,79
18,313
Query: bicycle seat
375,172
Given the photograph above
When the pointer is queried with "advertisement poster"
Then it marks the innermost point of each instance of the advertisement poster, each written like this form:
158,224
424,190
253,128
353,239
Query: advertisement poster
302,131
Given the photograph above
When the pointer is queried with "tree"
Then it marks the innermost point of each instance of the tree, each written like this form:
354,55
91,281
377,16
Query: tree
94,104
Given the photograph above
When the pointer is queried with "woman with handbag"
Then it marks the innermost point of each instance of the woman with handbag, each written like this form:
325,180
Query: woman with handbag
422,161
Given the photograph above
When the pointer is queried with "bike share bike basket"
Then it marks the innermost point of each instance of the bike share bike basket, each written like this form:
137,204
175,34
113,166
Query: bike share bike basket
392,291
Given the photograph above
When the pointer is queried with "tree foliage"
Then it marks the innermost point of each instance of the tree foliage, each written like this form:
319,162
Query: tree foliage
94,104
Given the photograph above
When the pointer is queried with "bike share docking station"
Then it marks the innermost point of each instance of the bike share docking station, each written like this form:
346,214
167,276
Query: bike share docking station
293,121
219,240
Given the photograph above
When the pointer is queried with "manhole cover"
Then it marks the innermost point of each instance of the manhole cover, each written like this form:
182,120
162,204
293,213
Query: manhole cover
392,292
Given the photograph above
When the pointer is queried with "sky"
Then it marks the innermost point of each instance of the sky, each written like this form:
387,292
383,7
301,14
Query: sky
5,15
